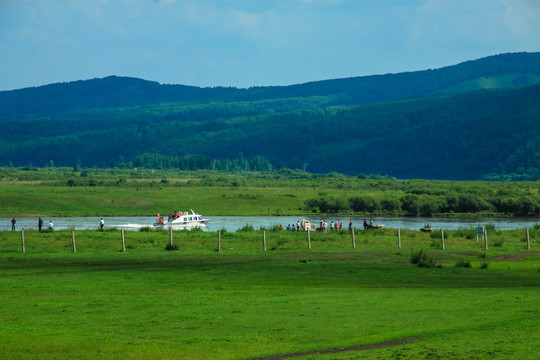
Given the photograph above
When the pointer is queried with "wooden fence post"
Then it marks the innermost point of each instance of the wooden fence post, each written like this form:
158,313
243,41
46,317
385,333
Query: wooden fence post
170,237
353,240
442,238
264,240
22,241
308,240
219,240
528,240
123,241
485,240
399,238
73,239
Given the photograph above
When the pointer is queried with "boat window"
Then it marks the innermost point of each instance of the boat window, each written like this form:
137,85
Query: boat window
190,218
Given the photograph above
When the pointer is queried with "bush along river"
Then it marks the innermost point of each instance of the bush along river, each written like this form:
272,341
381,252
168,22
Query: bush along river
233,223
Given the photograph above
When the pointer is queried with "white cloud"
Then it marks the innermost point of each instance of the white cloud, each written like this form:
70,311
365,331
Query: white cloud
521,17
253,42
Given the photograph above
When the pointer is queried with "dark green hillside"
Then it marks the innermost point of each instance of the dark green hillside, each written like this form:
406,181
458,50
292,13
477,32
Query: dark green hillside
499,71
109,92
453,137
463,136
425,124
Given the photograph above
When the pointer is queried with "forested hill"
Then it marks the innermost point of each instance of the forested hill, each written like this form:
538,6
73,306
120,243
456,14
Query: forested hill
499,71
476,120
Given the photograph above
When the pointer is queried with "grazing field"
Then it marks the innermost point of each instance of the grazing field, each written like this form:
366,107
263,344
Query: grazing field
332,301
132,192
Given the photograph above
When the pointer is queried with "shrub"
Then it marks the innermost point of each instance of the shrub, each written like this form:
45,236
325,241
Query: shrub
171,247
490,227
362,204
275,228
332,205
484,263
246,228
422,259
145,229
498,243
410,204
463,263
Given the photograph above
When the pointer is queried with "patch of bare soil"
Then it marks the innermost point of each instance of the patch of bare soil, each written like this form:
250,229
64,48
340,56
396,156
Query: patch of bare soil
469,253
508,257
380,345
400,262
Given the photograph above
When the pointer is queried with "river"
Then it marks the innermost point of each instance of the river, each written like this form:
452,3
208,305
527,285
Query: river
233,223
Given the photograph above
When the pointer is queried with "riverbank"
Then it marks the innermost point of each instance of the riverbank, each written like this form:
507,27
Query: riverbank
233,223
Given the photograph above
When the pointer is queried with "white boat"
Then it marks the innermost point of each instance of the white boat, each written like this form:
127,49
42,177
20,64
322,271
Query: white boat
183,220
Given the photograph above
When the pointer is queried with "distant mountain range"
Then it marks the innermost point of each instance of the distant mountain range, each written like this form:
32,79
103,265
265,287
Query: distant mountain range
476,120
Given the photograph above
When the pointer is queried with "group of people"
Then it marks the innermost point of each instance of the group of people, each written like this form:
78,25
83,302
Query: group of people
51,225
294,227
368,226
323,226
334,226
172,216
40,224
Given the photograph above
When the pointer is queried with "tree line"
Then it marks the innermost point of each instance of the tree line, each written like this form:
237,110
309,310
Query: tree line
195,162
429,205
484,135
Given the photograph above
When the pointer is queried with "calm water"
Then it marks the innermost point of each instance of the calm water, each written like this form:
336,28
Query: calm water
233,223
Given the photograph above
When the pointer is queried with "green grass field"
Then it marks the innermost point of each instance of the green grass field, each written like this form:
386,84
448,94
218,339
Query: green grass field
113,192
327,302
64,201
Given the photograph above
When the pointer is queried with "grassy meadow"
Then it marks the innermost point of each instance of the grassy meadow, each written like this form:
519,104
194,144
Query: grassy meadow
332,301
142,192
94,201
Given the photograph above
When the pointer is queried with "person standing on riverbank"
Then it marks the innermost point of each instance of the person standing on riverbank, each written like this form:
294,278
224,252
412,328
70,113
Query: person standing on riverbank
13,222
101,224
40,224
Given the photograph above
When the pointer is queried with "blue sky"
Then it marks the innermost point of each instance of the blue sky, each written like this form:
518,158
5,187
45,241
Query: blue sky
245,43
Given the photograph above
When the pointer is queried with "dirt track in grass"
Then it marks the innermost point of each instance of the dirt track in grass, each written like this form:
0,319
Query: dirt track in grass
380,345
